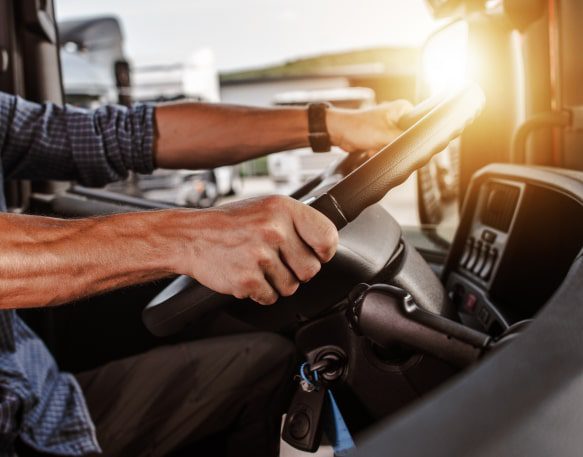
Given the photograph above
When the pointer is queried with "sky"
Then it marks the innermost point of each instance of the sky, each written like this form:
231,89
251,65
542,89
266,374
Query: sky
251,33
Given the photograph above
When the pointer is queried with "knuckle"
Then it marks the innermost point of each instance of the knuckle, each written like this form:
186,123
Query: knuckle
271,299
265,261
248,285
310,271
401,106
325,253
266,299
239,295
331,235
274,202
328,243
314,269
271,199
259,254
272,234
290,289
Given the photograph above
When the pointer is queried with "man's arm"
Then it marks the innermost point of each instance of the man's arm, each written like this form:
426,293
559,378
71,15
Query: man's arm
48,261
46,141
260,248
197,135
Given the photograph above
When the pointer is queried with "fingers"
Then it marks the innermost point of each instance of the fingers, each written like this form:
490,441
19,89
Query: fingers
300,259
397,108
305,241
255,286
316,230
281,279
263,293
308,240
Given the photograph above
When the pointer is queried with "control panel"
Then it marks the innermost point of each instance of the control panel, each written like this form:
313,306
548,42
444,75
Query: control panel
519,233
497,207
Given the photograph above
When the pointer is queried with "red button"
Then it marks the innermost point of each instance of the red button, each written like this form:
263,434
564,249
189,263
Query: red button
470,303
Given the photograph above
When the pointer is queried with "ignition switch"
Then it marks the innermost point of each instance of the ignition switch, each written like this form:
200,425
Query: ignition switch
329,364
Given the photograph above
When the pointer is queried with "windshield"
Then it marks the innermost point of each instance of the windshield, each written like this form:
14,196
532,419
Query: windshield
254,52
252,33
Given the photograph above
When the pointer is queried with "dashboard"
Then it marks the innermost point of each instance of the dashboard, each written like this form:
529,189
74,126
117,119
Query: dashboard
520,231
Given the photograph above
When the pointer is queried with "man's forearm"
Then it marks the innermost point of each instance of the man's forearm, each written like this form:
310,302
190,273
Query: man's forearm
198,135
49,261
259,248
192,135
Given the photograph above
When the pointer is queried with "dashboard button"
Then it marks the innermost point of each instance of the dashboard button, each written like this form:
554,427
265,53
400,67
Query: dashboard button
474,256
470,303
467,251
489,265
484,260
489,236
481,260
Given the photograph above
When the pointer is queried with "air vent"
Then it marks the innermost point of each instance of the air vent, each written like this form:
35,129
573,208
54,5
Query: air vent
499,205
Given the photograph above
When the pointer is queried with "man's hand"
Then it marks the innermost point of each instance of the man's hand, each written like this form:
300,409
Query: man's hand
260,248
366,130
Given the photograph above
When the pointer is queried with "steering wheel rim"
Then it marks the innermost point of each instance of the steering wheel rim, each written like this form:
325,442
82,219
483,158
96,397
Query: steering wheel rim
351,162
185,300
394,163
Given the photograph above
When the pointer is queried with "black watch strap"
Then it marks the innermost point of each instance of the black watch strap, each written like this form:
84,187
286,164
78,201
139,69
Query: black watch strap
319,136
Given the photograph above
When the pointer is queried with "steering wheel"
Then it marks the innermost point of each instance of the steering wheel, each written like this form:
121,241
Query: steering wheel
434,125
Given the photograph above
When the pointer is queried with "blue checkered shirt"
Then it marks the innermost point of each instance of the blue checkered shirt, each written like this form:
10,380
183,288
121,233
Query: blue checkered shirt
42,406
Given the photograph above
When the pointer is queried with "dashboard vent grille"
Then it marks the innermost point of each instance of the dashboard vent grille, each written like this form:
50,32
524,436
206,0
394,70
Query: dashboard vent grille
499,205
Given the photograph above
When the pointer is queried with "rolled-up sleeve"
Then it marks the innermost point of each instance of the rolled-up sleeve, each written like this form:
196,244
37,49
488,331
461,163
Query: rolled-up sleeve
47,141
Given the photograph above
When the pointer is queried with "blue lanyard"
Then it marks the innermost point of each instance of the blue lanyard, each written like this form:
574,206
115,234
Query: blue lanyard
336,429
333,423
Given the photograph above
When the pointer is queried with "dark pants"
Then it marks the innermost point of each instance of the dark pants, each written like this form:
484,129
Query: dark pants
220,396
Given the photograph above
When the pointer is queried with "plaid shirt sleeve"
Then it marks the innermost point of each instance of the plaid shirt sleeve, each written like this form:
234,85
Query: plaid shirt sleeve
47,141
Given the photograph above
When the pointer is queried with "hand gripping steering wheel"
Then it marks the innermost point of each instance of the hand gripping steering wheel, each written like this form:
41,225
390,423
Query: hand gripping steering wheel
432,126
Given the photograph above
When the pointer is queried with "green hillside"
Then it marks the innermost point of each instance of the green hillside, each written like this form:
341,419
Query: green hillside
379,60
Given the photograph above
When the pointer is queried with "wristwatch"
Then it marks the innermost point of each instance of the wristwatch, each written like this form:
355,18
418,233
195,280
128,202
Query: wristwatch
319,136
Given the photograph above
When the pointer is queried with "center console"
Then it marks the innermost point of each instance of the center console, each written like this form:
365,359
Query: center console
520,231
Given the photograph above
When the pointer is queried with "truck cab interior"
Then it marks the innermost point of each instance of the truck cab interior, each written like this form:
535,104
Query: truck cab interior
468,345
